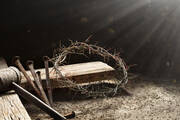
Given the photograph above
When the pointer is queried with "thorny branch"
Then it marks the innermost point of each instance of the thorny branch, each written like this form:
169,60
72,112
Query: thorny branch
82,48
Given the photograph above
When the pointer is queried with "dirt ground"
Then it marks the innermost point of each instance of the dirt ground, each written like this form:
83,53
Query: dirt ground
152,99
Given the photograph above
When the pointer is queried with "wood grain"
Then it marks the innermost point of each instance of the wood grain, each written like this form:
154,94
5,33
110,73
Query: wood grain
79,73
11,108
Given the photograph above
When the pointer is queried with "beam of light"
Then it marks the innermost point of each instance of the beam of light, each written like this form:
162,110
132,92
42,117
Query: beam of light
101,13
118,10
129,21
162,51
153,29
132,24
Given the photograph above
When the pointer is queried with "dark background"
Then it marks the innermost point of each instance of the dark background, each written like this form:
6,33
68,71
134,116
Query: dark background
145,31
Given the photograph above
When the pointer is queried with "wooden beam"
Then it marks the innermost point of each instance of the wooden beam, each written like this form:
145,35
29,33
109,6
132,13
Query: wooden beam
11,107
79,73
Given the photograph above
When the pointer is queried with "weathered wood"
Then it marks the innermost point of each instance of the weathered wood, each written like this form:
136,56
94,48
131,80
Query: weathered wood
11,107
80,73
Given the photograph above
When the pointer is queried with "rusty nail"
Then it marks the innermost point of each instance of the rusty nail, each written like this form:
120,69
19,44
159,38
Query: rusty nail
39,76
17,62
48,82
32,70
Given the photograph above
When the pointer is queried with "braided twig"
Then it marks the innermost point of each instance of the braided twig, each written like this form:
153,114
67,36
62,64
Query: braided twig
81,48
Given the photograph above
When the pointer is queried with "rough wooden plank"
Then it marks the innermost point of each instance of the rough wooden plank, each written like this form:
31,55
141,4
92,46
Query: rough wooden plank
80,73
11,107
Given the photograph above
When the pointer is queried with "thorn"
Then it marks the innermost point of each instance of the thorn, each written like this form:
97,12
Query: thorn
88,39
